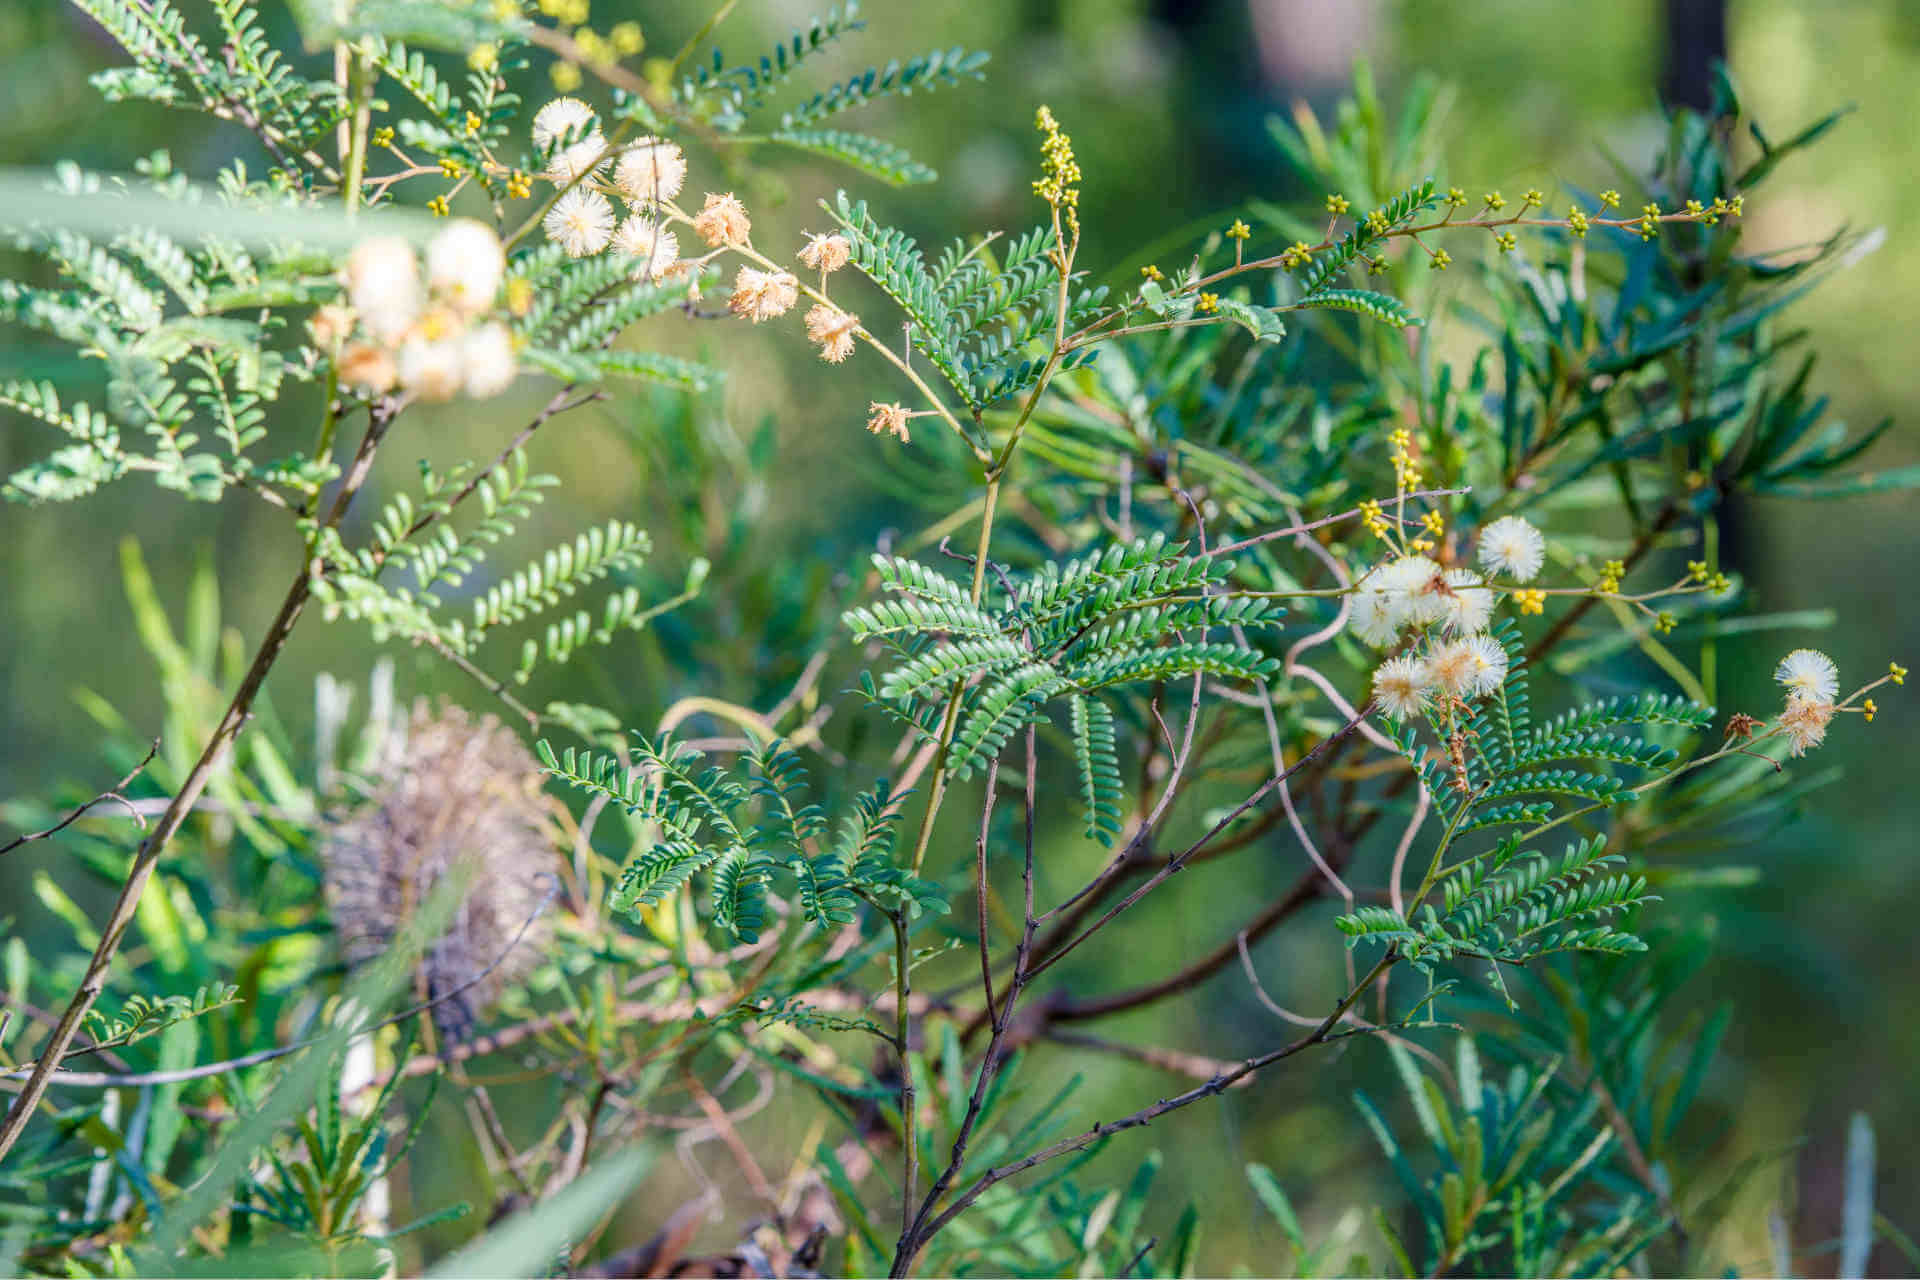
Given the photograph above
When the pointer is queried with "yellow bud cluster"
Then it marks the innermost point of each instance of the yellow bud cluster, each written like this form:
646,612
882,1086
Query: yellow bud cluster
1663,622
1896,673
1455,198
1374,518
1577,222
449,166
1609,199
1530,600
1507,241
571,12
1152,272
1533,199
1433,523
1207,303
438,206
1711,579
1377,223
1297,254
1406,470
1495,201
1239,230
1059,179
594,47
1720,208
627,38
565,76
519,185
1610,575
1337,204
1440,260
382,137
1870,708
473,123
1649,221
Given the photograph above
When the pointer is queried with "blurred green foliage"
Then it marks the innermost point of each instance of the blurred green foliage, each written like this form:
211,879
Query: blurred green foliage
1825,1006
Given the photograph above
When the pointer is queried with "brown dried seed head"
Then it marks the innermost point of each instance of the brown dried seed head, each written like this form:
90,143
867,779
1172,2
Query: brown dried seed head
454,799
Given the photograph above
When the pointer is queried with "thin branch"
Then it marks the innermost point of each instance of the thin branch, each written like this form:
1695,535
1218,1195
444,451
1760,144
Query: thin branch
1194,1065
1293,530
913,1233
980,889
148,855
1178,861
554,407
1563,625
45,1019
1305,890
1260,992
115,1080
729,1135
492,684
111,793
909,1106
1322,1034
1422,803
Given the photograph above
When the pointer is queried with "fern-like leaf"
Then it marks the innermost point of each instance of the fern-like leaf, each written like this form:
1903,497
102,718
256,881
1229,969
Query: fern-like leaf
872,156
1096,754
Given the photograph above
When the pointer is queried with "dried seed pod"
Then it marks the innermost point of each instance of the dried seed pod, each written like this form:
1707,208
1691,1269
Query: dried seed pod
454,799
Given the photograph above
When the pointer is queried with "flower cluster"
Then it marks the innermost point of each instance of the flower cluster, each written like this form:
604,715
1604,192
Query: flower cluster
1448,610
646,175
427,335
1458,669
1812,683
567,133
1413,591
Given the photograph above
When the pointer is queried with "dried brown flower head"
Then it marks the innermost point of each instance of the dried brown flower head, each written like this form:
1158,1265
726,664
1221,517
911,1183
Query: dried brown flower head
884,418
722,220
368,368
330,325
826,253
762,295
456,799
1805,721
833,329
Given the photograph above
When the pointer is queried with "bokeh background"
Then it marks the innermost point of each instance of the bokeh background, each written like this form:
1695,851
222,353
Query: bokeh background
1168,102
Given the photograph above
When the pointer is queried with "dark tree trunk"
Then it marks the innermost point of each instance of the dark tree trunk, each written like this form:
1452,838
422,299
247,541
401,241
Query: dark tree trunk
1696,39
